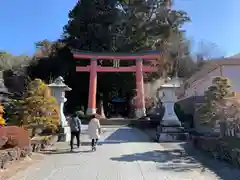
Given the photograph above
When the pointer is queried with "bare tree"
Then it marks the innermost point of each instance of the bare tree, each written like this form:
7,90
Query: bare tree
208,50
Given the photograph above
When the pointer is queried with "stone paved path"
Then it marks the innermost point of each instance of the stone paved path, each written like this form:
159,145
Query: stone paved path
123,154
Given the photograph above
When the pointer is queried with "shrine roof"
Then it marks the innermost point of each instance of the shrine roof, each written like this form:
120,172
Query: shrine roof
119,100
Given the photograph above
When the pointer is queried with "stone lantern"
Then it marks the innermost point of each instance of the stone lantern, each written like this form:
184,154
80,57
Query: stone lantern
170,128
58,89
167,94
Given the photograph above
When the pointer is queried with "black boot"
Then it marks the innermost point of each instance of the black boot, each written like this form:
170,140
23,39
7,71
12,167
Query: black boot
93,148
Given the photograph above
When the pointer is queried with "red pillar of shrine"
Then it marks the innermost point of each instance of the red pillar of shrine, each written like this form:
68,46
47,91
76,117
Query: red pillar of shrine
140,104
92,87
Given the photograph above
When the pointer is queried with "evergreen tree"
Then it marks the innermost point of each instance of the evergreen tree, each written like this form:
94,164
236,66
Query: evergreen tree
121,26
219,105
89,26
39,108
125,26
112,26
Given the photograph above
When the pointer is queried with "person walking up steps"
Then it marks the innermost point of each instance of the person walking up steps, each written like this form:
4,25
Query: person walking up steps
75,126
94,131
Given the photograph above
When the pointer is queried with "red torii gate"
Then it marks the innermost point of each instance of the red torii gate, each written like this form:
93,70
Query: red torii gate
139,69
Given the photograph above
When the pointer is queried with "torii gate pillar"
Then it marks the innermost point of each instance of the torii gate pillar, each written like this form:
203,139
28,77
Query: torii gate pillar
92,87
140,104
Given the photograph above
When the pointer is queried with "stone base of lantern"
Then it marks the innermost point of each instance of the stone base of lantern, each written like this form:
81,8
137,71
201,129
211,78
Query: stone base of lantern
91,111
64,134
140,112
171,122
171,130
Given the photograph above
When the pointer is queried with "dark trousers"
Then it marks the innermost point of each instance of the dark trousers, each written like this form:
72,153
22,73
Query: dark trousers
73,135
94,142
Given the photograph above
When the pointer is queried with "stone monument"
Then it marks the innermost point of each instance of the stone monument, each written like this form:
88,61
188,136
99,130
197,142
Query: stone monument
58,89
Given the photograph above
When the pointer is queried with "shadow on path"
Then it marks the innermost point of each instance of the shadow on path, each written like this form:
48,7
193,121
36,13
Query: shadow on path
125,135
64,151
172,160
181,159
220,168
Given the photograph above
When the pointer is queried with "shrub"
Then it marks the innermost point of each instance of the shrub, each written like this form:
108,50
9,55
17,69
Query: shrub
2,120
220,148
16,137
39,108
220,106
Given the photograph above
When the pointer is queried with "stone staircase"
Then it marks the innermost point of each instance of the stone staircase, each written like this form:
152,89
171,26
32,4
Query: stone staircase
138,123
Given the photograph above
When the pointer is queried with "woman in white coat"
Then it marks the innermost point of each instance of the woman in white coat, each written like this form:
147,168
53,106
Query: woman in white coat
94,131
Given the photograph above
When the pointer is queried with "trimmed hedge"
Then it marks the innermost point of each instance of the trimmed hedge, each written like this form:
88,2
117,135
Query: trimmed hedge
218,148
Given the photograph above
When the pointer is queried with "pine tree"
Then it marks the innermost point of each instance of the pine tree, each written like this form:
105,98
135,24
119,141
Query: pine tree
219,90
89,26
39,108
220,105
122,26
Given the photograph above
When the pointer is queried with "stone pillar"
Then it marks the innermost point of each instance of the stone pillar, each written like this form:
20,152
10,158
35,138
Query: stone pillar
140,110
58,89
92,87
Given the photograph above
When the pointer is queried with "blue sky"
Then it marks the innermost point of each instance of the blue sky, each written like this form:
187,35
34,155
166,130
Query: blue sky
22,23
215,21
